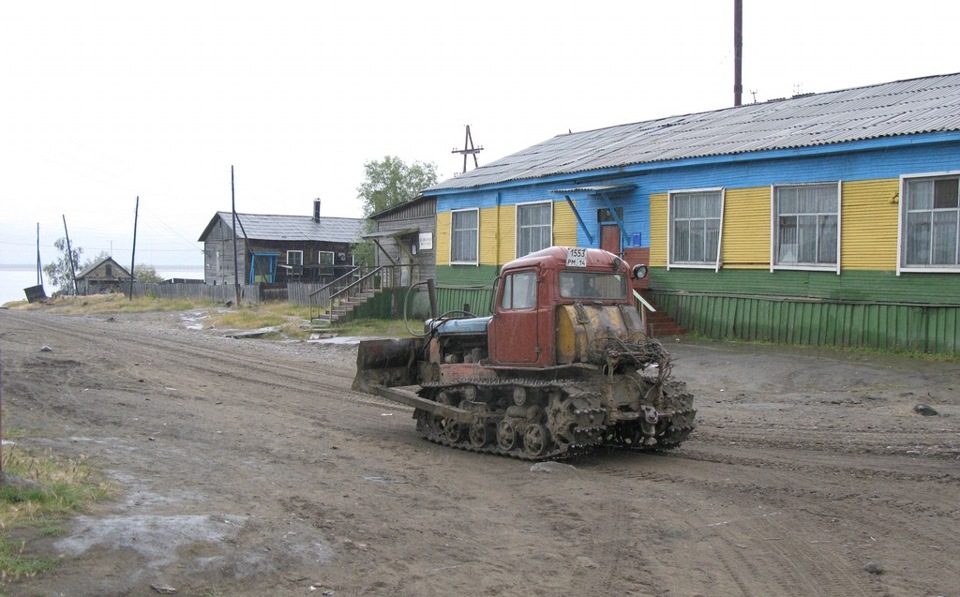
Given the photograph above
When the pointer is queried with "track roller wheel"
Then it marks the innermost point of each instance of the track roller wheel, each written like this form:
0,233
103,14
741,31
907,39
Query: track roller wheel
506,435
536,440
453,431
479,434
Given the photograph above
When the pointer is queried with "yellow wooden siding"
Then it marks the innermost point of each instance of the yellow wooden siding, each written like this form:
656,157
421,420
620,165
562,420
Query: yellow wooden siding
507,248
658,230
868,224
488,236
442,248
746,228
564,225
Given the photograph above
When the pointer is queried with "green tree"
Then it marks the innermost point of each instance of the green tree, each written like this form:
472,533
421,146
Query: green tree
388,183
391,181
59,272
146,274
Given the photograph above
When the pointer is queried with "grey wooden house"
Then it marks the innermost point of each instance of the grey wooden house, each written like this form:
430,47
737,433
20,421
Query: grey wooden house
102,277
405,236
276,249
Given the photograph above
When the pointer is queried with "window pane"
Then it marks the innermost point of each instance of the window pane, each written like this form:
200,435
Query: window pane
681,244
696,240
788,236
682,206
919,194
712,242
945,193
575,284
827,199
944,249
918,238
787,200
809,201
827,251
519,291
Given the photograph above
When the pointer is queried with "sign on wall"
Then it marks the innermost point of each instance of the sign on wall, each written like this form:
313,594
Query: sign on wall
426,241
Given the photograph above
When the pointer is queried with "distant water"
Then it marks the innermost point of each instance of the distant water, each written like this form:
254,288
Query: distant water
14,278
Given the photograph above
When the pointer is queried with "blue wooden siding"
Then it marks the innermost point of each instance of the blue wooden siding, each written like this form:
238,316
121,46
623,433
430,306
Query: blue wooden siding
809,165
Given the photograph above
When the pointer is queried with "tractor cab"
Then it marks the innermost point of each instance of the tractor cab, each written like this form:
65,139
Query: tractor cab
542,299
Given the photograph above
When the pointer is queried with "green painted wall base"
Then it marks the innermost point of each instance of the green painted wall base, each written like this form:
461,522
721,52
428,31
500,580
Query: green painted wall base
816,322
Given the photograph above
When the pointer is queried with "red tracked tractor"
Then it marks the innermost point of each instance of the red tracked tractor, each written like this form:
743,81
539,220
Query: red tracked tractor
562,366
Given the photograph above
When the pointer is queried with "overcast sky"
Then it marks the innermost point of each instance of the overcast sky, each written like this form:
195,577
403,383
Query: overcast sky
103,102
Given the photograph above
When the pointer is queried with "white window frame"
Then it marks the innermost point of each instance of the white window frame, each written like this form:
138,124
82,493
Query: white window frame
453,234
903,233
671,198
518,231
289,253
333,258
775,228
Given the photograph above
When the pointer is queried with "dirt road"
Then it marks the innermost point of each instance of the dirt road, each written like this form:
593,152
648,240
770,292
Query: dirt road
249,467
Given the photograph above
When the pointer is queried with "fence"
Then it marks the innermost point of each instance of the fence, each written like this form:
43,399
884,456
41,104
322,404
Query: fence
788,320
219,293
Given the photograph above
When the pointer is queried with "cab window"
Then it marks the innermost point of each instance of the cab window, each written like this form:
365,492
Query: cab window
519,291
575,285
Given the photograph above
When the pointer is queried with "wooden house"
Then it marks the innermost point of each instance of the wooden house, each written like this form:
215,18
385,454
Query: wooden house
102,277
275,249
825,219
404,236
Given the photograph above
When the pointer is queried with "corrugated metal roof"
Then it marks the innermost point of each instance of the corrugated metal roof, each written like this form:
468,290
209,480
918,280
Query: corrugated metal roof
924,105
295,228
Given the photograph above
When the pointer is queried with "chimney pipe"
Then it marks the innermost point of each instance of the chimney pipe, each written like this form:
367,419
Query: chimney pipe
316,210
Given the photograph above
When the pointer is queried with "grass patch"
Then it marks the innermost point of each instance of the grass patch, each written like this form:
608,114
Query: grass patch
291,321
113,303
37,492
393,328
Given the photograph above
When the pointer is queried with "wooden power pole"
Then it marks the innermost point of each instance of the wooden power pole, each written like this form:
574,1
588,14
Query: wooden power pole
469,149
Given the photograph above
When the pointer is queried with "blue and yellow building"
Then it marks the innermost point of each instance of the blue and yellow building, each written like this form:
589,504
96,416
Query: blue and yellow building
824,219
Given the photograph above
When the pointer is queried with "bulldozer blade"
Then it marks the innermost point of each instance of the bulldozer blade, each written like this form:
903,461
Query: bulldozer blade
387,363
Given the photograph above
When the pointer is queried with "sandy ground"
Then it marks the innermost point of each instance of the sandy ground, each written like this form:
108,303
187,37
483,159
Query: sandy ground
249,467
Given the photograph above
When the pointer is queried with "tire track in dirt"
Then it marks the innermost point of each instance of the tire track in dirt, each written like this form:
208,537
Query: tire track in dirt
264,370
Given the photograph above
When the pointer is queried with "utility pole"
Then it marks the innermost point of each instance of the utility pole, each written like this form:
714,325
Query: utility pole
133,256
737,51
236,264
73,268
468,149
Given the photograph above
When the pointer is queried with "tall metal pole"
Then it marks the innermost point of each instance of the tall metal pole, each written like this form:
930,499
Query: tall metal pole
236,264
133,255
737,51
73,269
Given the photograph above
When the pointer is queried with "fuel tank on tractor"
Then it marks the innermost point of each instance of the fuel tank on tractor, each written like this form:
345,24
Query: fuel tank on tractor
562,366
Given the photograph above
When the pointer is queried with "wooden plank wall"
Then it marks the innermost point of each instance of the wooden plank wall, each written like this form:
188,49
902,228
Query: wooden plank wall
218,293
